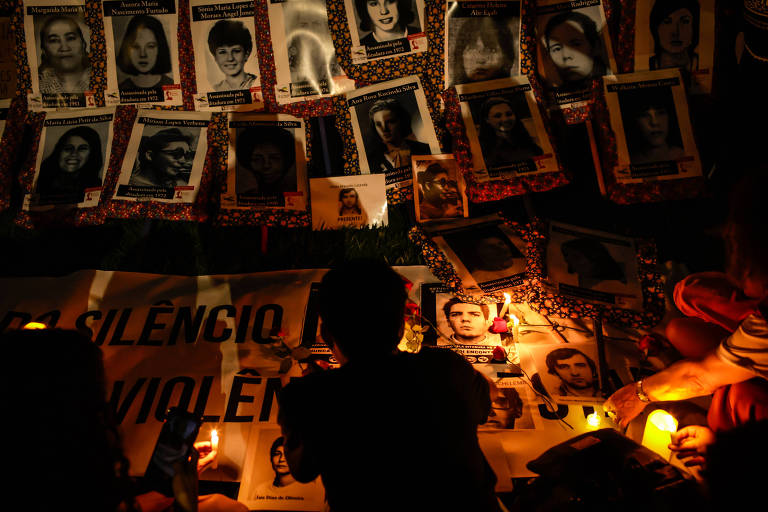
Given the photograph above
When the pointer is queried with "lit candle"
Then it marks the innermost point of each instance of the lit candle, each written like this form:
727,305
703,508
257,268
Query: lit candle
215,447
34,326
507,301
515,329
658,432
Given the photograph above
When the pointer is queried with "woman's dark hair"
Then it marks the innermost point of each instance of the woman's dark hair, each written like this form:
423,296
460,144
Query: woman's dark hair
253,136
277,443
229,33
159,140
745,231
491,31
357,203
591,33
403,117
362,304
86,62
407,16
64,410
51,179
663,8
163,63
523,139
634,103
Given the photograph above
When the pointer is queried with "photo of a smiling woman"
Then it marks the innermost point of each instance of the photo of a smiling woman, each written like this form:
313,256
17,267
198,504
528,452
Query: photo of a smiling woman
144,56
64,61
231,44
74,165
386,20
674,26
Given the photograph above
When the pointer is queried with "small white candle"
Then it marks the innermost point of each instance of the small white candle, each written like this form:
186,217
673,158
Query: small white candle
658,432
215,447
515,329
507,301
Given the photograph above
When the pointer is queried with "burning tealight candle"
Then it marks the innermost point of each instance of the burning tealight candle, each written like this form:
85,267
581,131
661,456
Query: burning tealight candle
215,447
658,432
593,420
34,325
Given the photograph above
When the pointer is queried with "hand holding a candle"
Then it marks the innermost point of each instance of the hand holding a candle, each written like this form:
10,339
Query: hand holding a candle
690,443
208,454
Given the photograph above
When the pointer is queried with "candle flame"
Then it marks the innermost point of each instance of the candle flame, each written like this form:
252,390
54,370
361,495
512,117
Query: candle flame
507,298
214,437
663,420
515,320
34,325
593,420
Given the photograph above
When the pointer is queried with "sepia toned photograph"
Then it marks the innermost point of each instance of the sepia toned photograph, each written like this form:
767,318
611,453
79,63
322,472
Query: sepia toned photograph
482,41
505,129
439,189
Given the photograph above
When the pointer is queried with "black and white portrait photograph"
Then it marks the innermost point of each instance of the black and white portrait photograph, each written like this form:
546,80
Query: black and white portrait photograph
573,45
267,161
391,124
305,58
58,40
225,55
567,372
487,254
649,114
146,58
511,408
677,34
505,129
482,41
169,149
439,189
464,324
267,483
72,158
348,202
593,265
385,28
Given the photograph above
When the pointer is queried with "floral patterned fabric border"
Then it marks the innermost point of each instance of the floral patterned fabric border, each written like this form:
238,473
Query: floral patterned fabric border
309,108
443,269
495,189
551,304
23,80
251,217
9,148
649,192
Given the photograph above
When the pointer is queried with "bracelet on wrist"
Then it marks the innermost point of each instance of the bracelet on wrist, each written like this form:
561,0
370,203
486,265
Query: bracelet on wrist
640,392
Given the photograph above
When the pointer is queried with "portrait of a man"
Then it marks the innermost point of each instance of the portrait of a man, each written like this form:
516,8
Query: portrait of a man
576,373
266,161
506,408
64,60
438,191
469,322
231,43
393,141
165,159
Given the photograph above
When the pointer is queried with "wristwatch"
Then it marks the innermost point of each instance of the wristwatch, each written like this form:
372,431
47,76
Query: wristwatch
640,392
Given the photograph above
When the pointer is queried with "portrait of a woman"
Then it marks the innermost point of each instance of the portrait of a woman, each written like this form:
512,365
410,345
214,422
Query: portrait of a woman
386,20
502,135
74,165
484,49
144,55
651,127
64,61
574,46
231,43
674,26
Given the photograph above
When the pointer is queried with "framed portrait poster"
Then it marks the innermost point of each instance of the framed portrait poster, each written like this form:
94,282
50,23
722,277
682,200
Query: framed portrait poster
573,49
385,28
482,41
142,53
72,158
505,129
677,34
267,163
654,138
306,66
165,157
391,123
58,51
226,64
